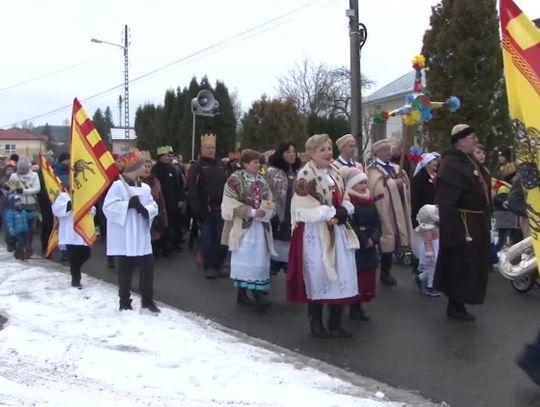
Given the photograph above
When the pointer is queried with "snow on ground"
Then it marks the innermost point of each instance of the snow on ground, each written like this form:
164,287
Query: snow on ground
62,347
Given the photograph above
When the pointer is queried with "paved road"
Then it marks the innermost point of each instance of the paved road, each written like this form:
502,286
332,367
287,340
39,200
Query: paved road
408,343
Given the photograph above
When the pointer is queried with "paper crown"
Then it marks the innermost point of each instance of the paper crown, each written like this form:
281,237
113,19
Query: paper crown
132,161
164,150
208,138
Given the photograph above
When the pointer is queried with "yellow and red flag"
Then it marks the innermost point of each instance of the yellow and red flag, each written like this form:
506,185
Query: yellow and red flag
53,186
92,170
521,56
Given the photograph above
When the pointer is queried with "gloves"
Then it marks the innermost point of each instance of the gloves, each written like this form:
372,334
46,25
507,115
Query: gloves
135,203
341,215
19,190
68,206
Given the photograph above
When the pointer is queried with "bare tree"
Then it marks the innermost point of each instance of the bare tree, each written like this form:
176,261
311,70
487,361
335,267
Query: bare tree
319,90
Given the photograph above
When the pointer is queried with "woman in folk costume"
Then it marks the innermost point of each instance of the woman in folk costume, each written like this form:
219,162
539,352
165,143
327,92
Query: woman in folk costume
322,267
387,180
130,210
159,225
247,209
283,167
367,226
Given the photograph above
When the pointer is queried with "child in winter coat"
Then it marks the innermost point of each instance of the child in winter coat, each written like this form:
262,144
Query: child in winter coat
367,226
18,226
426,248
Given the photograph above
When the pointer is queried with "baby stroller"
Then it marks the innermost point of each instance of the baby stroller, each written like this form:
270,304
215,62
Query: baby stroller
518,264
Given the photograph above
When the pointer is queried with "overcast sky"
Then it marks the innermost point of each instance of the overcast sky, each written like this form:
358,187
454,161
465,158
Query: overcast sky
41,37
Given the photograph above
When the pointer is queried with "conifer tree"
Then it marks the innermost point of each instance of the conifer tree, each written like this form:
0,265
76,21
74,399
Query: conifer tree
463,58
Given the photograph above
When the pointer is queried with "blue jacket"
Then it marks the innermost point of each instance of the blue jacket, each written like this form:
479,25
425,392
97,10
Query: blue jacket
17,220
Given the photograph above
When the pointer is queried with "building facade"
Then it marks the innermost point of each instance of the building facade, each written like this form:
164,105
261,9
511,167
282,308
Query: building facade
23,143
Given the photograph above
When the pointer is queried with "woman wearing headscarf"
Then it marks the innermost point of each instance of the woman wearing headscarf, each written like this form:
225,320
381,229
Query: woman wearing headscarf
282,170
322,267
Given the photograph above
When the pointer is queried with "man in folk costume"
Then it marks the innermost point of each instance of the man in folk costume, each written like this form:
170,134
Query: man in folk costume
79,251
172,188
130,209
206,181
347,149
463,196
390,188
322,267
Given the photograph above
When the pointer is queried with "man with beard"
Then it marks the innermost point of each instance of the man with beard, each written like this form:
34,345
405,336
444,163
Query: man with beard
463,196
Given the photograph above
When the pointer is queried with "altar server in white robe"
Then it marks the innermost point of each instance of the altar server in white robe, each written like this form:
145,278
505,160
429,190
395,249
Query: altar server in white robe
130,210
79,251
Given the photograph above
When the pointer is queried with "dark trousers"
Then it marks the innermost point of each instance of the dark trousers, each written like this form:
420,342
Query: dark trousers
173,236
125,266
516,235
21,245
386,262
213,251
46,228
78,255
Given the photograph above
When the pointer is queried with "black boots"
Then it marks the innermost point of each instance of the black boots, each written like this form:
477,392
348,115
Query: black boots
315,321
335,322
242,297
76,281
386,264
125,304
456,310
150,306
357,313
260,302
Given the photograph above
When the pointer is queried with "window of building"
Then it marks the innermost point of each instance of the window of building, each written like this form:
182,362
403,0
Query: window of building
10,148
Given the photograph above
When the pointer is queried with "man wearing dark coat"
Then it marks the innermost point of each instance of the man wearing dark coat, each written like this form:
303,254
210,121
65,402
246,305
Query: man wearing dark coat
463,197
173,191
206,181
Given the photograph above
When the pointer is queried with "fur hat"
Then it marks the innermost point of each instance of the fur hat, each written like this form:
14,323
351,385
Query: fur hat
340,142
460,131
132,161
352,176
380,145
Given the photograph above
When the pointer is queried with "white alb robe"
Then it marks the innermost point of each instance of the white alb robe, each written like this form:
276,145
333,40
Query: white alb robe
128,232
66,231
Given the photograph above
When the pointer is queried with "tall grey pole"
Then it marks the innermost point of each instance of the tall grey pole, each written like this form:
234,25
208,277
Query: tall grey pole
193,138
126,83
357,36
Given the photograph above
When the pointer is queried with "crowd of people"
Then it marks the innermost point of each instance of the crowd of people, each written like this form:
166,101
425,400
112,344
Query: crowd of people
327,223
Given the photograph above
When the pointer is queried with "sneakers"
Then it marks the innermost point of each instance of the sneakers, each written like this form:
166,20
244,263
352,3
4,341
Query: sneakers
431,292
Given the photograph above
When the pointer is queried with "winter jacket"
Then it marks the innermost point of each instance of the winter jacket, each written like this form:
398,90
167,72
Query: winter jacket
367,225
17,220
30,186
206,181
172,186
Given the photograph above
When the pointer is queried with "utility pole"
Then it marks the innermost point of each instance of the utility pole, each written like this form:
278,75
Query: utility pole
126,82
120,111
357,36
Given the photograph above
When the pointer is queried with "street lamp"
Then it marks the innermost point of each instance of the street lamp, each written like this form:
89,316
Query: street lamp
126,76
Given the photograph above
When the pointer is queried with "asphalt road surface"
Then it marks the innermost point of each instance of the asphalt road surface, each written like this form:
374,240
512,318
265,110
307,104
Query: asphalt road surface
409,343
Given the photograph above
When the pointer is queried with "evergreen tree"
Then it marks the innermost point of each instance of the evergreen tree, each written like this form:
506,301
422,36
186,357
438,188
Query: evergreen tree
334,126
108,124
225,122
46,130
463,58
268,122
147,128
99,122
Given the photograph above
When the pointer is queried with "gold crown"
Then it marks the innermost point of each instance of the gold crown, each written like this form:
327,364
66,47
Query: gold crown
164,150
208,138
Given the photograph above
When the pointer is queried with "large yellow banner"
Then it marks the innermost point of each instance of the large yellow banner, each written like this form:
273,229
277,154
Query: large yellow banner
53,186
521,56
92,171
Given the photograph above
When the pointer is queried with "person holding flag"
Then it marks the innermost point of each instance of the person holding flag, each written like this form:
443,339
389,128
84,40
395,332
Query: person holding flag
521,57
130,209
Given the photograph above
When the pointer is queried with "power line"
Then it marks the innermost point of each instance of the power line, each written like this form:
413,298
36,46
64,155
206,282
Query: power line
37,78
214,47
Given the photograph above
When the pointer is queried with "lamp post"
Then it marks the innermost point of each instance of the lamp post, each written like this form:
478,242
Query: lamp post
126,76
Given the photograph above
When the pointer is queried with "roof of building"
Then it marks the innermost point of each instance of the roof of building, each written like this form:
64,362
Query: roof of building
400,87
119,134
21,134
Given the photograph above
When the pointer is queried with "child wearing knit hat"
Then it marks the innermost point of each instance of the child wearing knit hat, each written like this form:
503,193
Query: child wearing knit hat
367,226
